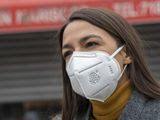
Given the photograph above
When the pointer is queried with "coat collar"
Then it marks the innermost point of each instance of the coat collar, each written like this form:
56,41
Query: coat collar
134,107
132,110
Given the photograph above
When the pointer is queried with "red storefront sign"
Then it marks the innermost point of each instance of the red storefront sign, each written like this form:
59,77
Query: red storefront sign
20,15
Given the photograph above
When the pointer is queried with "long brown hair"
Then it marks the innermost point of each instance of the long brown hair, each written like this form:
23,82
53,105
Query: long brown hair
138,72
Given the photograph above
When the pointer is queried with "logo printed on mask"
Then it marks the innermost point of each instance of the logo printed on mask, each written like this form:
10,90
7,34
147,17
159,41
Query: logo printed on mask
111,70
94,77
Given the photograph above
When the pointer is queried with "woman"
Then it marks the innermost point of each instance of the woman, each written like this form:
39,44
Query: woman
105,76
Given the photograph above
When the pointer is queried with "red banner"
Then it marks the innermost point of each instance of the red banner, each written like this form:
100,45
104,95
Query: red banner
41,16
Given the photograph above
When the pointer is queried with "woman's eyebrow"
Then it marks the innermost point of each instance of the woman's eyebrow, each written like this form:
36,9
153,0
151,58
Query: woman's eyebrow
82,40
66,46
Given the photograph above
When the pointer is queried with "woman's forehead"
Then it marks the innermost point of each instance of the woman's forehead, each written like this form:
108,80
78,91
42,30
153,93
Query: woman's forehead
79,29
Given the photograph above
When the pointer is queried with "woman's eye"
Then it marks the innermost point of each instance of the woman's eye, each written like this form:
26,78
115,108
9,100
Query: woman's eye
91,44
67,54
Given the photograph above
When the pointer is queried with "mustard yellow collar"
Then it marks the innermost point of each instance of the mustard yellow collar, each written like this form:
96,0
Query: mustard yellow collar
112,108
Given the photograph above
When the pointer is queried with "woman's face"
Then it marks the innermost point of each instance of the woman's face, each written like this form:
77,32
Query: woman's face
81,36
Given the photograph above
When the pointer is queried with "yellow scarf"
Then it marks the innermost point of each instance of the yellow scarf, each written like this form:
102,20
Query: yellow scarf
112,108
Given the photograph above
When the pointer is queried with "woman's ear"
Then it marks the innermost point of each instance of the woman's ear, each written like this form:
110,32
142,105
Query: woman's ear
126,58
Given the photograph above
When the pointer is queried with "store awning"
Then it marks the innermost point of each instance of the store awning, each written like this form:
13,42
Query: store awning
28,15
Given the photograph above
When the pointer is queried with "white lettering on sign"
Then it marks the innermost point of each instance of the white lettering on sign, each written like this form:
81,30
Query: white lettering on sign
151,8
42,15
126,9
144,8
5,17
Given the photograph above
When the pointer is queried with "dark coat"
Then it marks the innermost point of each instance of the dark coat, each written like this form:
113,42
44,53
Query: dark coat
137,108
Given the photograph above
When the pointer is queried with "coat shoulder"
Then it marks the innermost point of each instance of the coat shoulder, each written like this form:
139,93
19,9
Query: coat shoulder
151,110
140,107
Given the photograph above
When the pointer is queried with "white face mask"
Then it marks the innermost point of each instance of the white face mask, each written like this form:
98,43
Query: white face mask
94,75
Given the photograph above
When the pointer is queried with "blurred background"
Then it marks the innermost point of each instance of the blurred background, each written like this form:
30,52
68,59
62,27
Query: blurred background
30,71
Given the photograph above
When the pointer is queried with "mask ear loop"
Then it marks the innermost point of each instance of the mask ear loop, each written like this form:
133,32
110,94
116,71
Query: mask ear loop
114,54
117,51
122,72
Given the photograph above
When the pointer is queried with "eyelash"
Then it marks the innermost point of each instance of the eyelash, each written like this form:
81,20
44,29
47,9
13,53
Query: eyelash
66,54
91,44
